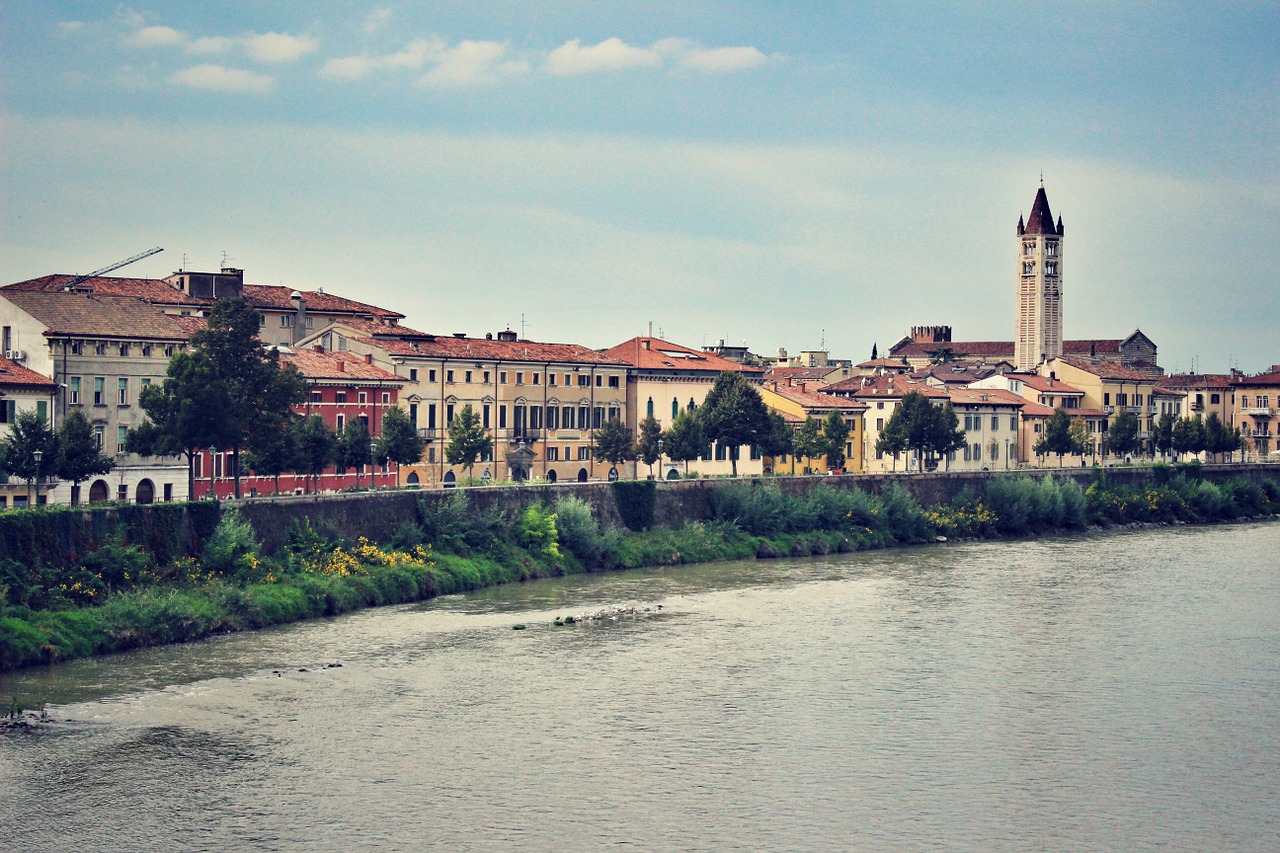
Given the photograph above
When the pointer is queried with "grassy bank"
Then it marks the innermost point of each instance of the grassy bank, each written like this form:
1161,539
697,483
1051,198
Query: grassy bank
124,596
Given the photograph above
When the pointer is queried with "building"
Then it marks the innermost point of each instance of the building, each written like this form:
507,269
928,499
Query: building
665,378
1038,330
1256,400
992,422
21,390
540,398
926,345
881,396
1109,389
1206,393
796,401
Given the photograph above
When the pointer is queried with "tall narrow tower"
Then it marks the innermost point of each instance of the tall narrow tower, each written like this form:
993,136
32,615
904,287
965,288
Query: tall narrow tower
1039,325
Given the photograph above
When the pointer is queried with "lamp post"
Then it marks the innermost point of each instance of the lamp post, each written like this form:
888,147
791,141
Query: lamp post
373,464
120,468
661,476
38,456
213,485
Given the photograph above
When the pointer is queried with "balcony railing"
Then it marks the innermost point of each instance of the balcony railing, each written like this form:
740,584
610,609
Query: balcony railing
1133,410
1258,412
1197,407
1110,410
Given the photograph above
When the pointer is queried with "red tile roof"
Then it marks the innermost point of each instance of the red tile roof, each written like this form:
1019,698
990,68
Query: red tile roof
891,386
484,349
16,376
885,362
1045,384
278,298
782,374
809,395
1104,369
90,315
1272,378
647,353
336,365
1000,349
986,397
150,289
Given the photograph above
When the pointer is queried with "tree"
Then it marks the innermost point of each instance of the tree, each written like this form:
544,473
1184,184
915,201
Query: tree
184,413
275,452
941,355
314,445
352,450
808,439
28,434
1081,440
733,414
1220,438
647,447
399,440
260,392
1122,434
893,437
835,432
79,456
1162,435
945,436
614,443
778,440
1188,436
683,441
1056,437
468,440
874,355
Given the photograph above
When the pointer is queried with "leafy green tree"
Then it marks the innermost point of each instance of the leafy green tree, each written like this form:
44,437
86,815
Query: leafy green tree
314,444
925,430
261,393
1162,434
1056,437
1122,434
835,432
647,447
1188,436
733,414
614,443
468,440
808,440
79,456
30,433
352,450
893,437
945,436
399,440
275,452
1220,438
779,440
683,440
184,413
1081,441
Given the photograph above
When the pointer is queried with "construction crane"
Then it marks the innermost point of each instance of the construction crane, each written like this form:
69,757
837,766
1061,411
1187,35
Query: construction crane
117,265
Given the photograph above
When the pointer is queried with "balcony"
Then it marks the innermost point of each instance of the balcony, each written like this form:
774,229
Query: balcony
1197,406
1109,410
1258,412
528,436
1259,433
1134,410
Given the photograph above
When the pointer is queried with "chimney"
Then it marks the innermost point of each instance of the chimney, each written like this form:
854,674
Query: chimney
319,348
645,343
342,366
368,358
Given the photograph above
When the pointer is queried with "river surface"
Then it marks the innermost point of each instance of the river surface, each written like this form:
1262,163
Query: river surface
1109,692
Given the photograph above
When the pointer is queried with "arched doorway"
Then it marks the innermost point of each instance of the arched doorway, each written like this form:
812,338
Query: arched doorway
145,493
449,480
412,479
673,474
99,492
551,476
582,475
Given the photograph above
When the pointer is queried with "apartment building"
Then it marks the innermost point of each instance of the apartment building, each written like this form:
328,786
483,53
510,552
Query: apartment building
1256,401
881,395
796,401
21,390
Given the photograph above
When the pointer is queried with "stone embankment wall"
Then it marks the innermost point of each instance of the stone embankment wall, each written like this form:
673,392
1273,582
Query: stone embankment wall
173,528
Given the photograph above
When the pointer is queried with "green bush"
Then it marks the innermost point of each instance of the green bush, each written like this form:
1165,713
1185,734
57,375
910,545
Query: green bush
538,530
578,530
635,501
232,550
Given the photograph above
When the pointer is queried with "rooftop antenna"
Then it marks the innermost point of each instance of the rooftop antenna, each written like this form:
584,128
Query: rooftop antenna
523,325
184,261
1042,178
823,343
225,258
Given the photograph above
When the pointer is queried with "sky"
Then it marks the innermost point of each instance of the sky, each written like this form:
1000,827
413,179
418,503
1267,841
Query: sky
794,175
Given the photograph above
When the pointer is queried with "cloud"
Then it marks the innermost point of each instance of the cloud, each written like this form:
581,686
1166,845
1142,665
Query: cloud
349,68
68,27
145,37
278,47
376,20
721,60
413,57
206,45
216,78
472,63
609,55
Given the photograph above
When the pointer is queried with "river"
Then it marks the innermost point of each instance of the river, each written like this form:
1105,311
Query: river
1112,691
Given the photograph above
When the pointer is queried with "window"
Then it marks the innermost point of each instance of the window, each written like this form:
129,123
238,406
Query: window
502,417
8,413
124,350
286,321
340,397
316,397
879,424
484,418
341,423
431,375
567,417
100,349
448,413
568,380
615,413
675,408
1013,422
553,417
467,377
1106,399
431,415
310,323
583,380
386,398
362,397
1215,398
535,417
597,417
262,318
995,423
122,391
77,347
519,378
551,379
168,351
599,380
97,436
75,391
122,433
146,382
486,377
613,381
879,404
584,453
648,409
42,410
977,453
537,378
448,376
553,454
99,390
502,377
413,374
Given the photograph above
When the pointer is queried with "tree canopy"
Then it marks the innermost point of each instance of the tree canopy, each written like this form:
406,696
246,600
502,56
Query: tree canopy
808,439
1056,437
614,443
647,446
733,414
399,440
835,433
683,440
468,440
78,455
30,433
1122,434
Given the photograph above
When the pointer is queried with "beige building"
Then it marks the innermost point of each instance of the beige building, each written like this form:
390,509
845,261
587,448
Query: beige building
992,422
797,401
664,378
881,395
1257,399
544,399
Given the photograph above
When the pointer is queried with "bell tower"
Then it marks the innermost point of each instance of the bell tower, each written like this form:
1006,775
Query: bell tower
1039,324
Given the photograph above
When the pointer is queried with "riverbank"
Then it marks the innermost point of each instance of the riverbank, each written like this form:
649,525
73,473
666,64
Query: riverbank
123,596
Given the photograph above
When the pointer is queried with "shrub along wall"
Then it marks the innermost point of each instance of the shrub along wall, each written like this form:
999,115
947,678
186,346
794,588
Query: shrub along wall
64,536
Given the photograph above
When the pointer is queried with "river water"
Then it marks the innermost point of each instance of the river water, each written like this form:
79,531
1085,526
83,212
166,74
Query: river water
1106,692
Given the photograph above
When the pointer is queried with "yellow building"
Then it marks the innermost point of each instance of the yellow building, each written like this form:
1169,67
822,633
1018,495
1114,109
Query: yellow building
796,401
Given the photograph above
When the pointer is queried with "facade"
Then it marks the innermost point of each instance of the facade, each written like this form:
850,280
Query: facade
1206,393
881,396
926,345
1108,390
22,390
1038,331
1256,401
541,398
992,424
796,401
664,378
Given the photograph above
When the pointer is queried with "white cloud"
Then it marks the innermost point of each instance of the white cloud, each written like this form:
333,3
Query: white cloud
145,37
723,59
278,47
349,68
610,54
376,20
216,78
206,45
471,63
416,54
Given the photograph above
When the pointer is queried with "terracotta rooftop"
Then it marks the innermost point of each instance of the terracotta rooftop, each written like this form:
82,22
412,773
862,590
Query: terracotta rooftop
986,397
885,362
799,374
1000,349
336,365
883,387
278,297
92,316
15,375
1047,385
647,353
1196,380
483,349
1270,378
1105,369
150,289
810,395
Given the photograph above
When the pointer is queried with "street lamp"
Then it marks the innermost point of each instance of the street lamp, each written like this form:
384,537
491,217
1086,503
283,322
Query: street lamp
660,464
373,464
120,468
38,456
213,485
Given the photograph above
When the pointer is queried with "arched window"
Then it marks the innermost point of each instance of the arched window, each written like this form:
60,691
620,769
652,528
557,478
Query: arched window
649,408
692,405
675,408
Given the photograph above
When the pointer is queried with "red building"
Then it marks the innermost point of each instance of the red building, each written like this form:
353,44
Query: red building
342,388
